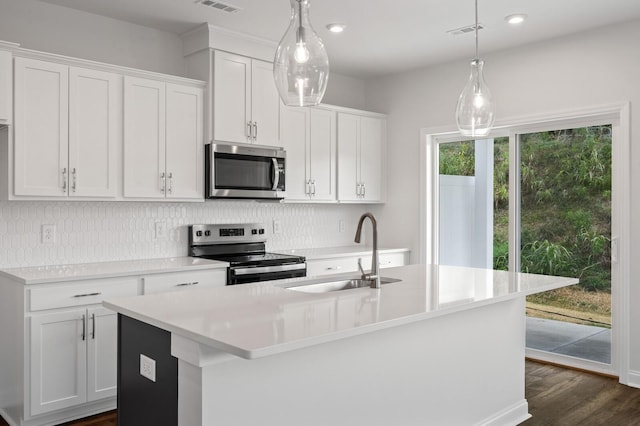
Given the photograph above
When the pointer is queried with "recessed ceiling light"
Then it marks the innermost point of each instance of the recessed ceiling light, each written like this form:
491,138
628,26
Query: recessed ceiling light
516,19
336,28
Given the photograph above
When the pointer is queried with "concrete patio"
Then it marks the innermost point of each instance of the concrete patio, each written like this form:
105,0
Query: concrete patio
580,341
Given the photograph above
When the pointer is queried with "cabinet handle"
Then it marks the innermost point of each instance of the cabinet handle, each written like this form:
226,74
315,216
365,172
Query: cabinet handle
249,130
93,326
64,180
84,326
163,181
170,188
187,284
313,187
358,190
308,190
333,268
255,131
88,294
364,190
74,180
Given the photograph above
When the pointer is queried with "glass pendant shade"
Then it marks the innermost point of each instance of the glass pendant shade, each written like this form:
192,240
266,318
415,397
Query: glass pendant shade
301,64
475,112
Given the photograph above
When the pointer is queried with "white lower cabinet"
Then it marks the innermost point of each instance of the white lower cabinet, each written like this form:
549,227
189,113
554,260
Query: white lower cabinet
73,358
349,263
72,343
184,281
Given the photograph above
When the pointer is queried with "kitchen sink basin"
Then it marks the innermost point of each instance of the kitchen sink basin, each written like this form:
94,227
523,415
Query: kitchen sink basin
337,285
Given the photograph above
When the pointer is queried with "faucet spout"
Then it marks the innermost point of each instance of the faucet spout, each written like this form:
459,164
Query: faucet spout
374,276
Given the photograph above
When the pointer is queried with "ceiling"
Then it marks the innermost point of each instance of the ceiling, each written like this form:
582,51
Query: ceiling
382,36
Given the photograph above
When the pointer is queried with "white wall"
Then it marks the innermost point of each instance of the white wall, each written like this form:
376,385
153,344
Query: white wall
345,91
575,72
55,29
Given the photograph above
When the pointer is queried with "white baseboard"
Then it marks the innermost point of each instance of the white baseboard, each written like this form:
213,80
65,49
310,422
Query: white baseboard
510,416
633,379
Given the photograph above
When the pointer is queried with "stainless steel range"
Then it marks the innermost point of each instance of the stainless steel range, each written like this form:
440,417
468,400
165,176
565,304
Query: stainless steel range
243,246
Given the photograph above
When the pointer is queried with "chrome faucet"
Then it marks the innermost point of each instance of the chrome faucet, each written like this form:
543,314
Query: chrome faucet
374,276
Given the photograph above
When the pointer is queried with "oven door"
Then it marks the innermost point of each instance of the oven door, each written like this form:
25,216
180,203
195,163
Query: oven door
235,171
251,274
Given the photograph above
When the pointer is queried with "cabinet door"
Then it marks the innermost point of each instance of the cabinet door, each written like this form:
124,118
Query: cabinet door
41,128
185,143
57,361
265,103
371,134
322,154
144,138
348,159
93,132
102,348
294,134
6,83
231,97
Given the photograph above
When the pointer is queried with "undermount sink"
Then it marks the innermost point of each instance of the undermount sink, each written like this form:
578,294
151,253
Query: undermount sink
337,285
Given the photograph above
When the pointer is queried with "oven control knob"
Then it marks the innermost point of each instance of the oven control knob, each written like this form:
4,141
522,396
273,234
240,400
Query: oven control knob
198,233
207,233
254,231
260,231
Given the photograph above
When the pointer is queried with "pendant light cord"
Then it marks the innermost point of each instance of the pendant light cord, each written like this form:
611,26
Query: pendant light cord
476,27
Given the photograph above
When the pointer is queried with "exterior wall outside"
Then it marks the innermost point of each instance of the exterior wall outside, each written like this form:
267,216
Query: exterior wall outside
583,70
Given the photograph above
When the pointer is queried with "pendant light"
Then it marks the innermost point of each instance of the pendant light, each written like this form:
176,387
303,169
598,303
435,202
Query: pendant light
301,64
475,112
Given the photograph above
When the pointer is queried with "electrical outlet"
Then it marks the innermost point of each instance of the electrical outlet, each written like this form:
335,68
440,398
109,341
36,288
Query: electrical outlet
148,367
161,230
48,234
277,227
341,225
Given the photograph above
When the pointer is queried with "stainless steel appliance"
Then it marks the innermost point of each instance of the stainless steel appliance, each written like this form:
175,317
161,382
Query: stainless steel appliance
243,246
244,171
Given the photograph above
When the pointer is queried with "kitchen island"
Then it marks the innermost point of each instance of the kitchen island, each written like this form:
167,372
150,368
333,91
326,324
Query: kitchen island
442,346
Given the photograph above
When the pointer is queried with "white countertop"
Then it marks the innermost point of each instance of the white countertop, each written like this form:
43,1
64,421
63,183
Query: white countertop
256,320
330,252
82,271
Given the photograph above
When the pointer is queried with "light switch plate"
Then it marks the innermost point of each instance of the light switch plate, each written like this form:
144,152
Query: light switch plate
147,367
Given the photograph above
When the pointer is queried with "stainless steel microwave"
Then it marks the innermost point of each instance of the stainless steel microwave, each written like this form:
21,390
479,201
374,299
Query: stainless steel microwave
244,171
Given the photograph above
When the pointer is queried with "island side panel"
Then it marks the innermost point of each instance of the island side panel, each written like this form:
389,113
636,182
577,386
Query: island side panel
464,368
140,400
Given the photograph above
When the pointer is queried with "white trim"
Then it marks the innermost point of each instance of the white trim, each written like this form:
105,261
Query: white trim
101,66
580,363
619,115
513,415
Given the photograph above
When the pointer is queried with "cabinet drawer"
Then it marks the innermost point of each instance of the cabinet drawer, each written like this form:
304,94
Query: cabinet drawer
390,260
335,265
184,280
81,293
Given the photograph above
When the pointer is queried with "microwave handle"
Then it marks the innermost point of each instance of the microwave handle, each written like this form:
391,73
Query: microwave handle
275,176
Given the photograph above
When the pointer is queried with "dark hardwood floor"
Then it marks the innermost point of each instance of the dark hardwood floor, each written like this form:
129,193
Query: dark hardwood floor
556,396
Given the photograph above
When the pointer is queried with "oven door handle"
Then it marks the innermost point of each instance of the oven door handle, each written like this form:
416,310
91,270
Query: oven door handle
275,174
268,269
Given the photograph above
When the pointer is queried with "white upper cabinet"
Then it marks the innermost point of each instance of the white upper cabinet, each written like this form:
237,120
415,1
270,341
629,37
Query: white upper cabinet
94,108
245,100
144,138
185,142
41,135
163,140
322,155
66,132
309,137
6,85
361,144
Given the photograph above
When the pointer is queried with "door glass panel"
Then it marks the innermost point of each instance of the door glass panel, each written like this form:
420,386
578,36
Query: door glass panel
233,171
473,204
565,219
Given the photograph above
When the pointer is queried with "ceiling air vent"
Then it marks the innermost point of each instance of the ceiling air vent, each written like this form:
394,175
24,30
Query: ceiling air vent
218,5
464,30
